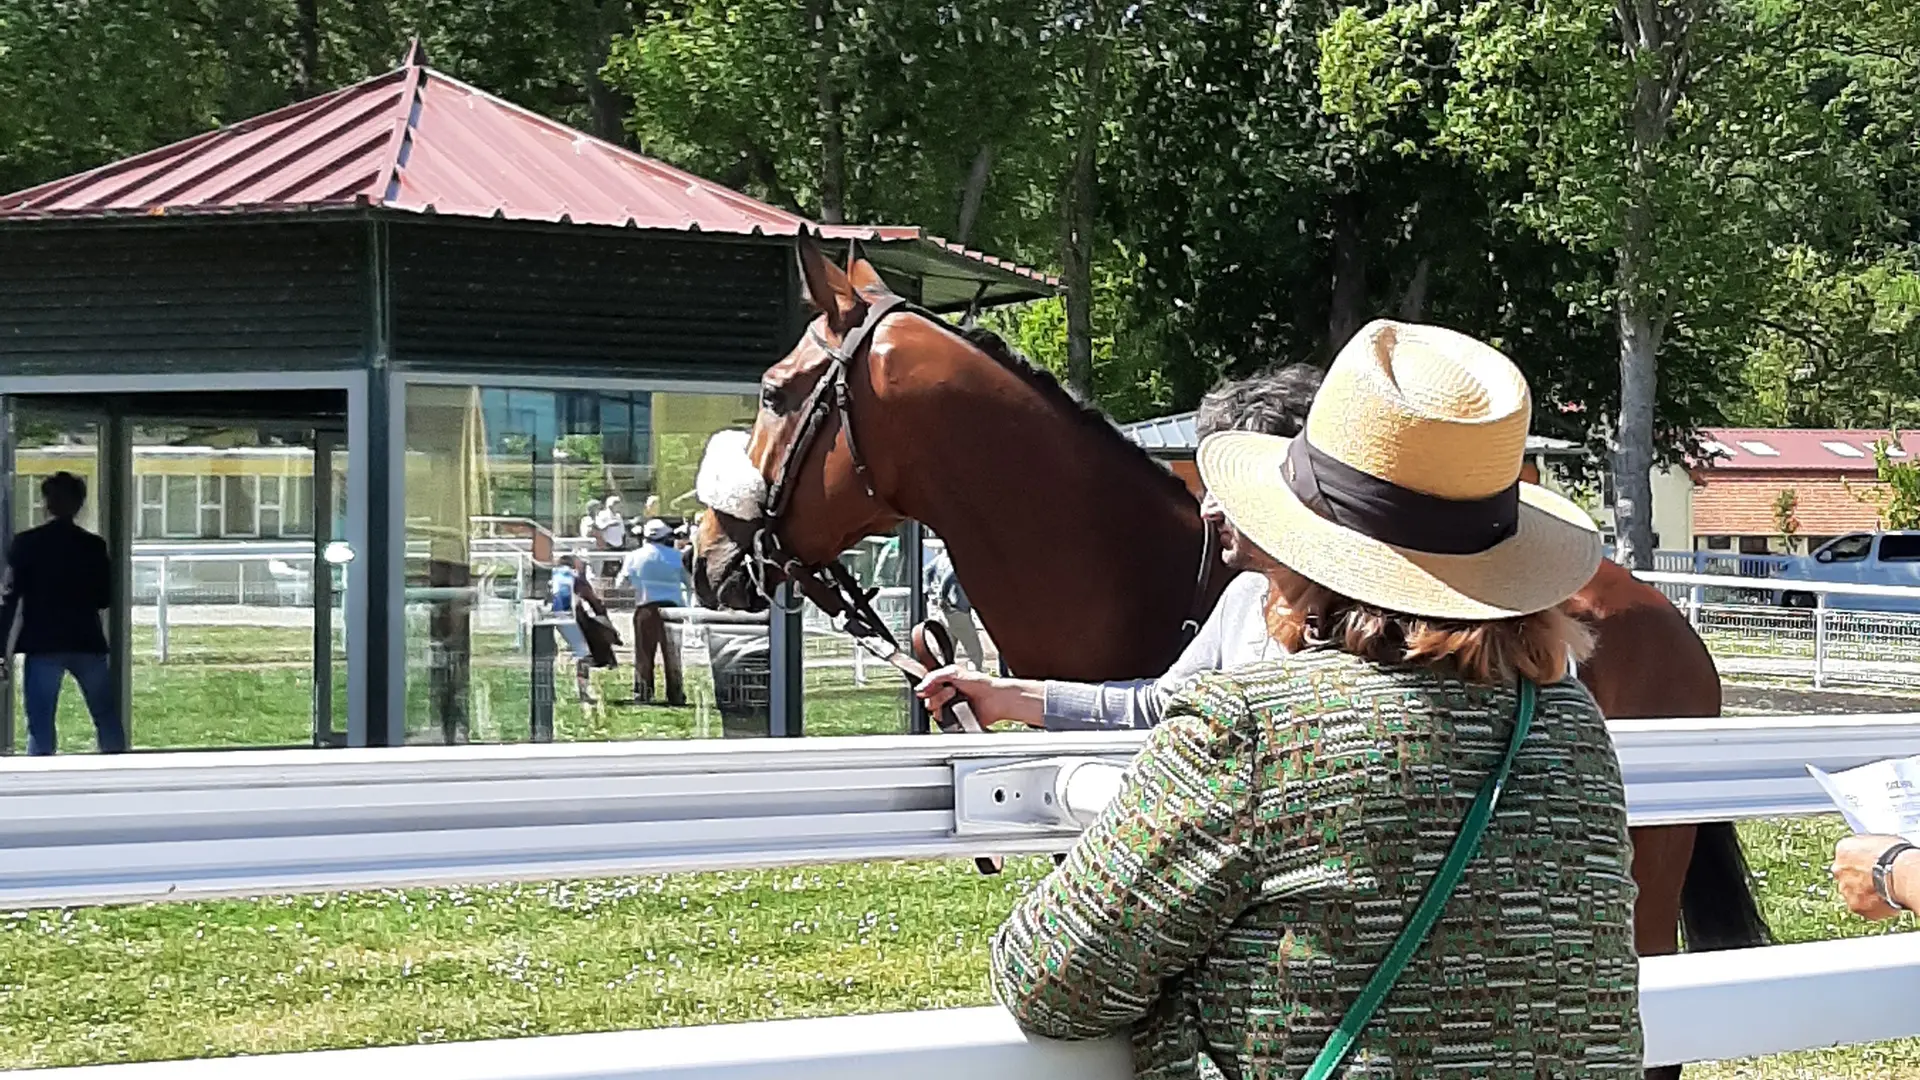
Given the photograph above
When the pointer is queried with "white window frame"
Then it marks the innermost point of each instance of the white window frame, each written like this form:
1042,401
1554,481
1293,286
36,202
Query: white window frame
218,504
159,483
166,529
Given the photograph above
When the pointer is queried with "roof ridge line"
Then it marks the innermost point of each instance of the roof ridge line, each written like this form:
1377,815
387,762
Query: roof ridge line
712,188
403,130
180,146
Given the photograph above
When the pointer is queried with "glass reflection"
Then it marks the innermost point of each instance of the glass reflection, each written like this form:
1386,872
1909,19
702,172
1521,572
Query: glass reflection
526,510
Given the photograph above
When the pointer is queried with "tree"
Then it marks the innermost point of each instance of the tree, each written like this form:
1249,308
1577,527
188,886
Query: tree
1786,520
1675,138
1897,494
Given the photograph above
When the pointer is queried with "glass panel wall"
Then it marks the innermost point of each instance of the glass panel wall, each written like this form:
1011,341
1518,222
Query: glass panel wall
47,442
847,690
223,585
519,499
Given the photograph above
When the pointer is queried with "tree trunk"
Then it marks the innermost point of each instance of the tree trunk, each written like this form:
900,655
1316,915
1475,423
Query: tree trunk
1632,440
971,195
1348,308
306,65
833,149
1077,257
1657,33
1413,302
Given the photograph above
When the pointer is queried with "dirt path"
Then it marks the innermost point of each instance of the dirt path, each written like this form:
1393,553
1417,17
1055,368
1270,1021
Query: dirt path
1757,699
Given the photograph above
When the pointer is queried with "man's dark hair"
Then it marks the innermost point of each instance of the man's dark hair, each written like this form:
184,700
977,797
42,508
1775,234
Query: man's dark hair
1274,402
64,489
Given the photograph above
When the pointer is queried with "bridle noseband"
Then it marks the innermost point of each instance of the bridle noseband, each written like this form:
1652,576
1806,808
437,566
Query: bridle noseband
841,596
830,585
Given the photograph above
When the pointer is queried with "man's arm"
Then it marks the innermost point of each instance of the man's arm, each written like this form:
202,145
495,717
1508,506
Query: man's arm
103,577
10,600
1070,706
1853,862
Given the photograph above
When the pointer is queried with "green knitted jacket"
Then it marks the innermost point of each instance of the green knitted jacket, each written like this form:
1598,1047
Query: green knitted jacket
1267,846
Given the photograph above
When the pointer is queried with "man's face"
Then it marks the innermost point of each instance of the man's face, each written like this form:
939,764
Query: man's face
1236,551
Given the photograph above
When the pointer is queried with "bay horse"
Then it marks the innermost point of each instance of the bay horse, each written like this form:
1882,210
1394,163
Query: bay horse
1079,551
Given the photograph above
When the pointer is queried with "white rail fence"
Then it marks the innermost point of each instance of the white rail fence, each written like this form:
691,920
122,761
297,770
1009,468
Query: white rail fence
1695,1008
1843,638
86,830
1838,639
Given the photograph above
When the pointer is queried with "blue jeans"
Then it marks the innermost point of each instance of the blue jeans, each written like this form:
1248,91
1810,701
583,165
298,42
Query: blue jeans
41,679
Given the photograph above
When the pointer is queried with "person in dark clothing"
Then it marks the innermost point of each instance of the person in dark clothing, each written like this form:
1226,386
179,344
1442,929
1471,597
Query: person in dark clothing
59,580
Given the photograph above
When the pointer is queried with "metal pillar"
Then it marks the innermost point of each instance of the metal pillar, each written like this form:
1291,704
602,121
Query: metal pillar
913,557
786,667
116,513
325,445
6,542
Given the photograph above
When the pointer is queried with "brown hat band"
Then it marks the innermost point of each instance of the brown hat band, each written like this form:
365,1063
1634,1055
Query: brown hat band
1391,514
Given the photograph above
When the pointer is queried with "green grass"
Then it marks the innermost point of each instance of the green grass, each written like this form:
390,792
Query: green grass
150,982
232,686
93,985
194,980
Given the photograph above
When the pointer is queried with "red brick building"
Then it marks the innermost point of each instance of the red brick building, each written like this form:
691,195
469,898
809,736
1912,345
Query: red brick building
1830,472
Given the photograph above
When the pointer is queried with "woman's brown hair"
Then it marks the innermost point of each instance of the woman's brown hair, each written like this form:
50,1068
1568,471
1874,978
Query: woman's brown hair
1493,653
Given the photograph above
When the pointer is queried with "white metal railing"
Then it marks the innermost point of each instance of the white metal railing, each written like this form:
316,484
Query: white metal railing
92,830
1861,645
1706,1007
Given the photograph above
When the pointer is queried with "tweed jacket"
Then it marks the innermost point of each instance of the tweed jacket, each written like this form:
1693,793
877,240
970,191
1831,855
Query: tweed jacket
1270,841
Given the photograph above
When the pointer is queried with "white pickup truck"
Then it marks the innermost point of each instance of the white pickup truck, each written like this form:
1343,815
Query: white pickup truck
1884,558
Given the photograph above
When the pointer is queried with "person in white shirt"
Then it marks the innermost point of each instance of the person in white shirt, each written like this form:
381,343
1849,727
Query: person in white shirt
613,527
1275,403
590,520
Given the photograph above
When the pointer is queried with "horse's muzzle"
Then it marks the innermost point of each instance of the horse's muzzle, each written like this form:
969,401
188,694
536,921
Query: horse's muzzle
721,576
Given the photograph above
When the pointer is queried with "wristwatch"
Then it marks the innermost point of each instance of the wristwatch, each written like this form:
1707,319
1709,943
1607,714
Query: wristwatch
1884,866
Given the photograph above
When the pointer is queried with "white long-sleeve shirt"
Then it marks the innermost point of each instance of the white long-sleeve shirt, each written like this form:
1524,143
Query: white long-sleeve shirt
1233,636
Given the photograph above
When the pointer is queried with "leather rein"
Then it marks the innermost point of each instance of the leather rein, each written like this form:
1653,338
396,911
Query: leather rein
831,586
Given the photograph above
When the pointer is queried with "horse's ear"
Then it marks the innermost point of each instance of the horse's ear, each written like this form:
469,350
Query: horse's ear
866,280
827,286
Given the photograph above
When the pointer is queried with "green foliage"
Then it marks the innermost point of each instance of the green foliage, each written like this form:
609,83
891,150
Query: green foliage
1786,520
1899,499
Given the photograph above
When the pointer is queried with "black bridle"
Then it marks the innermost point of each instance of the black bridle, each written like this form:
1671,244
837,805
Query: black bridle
831,586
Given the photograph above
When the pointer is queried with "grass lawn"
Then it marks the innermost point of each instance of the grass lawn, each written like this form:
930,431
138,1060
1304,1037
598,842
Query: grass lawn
147,982
92,985
242,686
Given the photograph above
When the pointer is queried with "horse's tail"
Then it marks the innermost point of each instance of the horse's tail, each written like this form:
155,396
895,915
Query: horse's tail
1717,907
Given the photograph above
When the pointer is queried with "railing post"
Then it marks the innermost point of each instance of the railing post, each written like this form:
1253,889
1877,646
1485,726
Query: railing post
160,642
1695,594
1819,639
520,601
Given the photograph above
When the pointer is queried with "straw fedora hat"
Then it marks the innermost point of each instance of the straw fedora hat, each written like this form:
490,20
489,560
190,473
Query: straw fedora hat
1404,490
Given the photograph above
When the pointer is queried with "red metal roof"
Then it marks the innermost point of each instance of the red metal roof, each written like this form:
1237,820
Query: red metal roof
412,139
1799,449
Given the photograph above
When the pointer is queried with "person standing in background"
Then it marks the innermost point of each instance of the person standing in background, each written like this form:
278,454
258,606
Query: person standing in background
943,588
590,520
59,580
613,527
657,570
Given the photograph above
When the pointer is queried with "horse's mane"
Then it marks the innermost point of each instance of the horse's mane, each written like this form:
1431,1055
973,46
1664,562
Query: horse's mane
1048,386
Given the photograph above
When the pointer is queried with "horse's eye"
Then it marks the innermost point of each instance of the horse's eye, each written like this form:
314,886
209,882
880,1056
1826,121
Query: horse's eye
771,398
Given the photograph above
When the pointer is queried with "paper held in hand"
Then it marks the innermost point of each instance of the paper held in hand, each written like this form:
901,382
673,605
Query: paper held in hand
1882,798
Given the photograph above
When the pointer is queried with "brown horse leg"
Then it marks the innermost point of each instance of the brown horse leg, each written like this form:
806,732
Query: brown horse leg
1661,855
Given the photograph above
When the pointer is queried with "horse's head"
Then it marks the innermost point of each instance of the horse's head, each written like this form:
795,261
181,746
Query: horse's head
791,492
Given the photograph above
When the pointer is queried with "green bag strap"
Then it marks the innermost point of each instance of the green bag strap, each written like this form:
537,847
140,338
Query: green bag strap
1420,923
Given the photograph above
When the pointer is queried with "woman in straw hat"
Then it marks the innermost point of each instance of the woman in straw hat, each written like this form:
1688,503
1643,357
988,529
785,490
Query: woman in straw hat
1402,850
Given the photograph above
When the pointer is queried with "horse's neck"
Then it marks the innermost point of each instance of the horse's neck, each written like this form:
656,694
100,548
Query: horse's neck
1079,554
